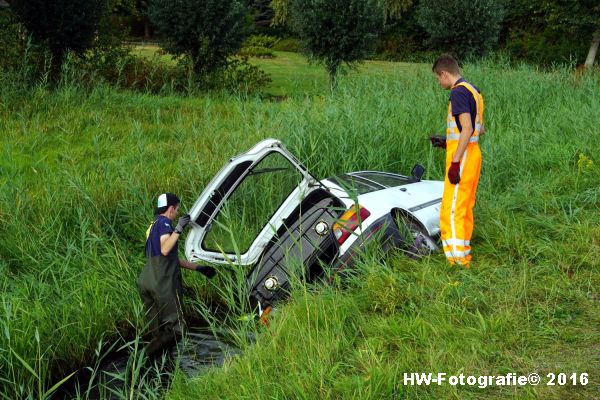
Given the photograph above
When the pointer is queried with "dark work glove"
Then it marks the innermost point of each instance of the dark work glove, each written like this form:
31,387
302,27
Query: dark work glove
209,272
183,221
438,141
454,173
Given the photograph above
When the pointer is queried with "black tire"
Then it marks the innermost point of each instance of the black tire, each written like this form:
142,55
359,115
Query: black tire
416,242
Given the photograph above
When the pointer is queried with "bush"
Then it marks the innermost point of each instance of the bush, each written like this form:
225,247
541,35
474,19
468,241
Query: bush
240,76
287,44
463,27
259,46
265,41
154,75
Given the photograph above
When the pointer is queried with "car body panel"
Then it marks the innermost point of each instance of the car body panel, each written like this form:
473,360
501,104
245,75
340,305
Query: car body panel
420,200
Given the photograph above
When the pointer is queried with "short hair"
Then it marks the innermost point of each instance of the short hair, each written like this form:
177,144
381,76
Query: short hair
447,63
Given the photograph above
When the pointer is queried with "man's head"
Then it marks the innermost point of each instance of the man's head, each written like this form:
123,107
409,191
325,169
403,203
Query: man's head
167,205
446,70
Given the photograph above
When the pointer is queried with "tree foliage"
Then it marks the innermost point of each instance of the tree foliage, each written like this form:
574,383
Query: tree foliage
61,25
281,12
262,13
463,27
208,31
334,32
549,31
393,9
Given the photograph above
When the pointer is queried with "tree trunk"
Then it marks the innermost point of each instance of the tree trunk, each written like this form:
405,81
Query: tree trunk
58,57
332,80
332,70
589,61
146,29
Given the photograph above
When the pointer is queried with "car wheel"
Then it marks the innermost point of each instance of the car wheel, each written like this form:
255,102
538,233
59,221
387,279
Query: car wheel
416,242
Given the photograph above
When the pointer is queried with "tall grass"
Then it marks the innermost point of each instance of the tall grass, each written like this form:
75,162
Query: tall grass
79,170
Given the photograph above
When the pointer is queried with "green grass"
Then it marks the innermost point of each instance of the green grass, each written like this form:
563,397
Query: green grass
293,74
79,171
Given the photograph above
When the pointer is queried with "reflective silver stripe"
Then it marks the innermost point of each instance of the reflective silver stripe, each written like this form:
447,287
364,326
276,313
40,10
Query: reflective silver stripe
456,136
457,242
453,208
453,124
457,254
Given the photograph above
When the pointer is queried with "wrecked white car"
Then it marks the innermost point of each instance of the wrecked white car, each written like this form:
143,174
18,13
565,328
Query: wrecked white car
264,210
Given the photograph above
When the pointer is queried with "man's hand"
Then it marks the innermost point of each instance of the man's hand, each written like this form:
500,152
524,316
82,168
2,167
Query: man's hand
454,173
209,272
182,223
438,141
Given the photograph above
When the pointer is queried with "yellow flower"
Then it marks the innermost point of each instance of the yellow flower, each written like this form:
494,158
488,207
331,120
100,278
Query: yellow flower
584,163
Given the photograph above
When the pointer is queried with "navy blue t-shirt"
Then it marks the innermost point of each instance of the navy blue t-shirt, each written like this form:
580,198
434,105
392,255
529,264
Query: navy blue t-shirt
462,101
162,226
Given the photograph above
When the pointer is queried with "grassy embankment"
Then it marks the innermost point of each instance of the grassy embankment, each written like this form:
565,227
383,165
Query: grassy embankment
79,170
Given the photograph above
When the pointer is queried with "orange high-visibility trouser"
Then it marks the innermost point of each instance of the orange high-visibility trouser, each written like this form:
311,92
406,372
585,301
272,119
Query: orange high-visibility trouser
456,214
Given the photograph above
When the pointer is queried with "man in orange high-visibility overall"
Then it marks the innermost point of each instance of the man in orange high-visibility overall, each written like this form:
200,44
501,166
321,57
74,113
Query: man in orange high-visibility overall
463,160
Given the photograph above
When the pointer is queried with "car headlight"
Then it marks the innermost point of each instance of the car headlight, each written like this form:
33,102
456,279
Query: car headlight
271,283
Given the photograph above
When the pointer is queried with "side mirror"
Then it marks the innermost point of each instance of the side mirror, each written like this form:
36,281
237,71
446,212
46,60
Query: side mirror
417,172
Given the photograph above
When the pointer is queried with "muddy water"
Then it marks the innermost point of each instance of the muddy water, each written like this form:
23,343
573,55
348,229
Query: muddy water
201,350
111,378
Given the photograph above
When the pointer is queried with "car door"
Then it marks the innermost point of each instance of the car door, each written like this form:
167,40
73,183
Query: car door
245,204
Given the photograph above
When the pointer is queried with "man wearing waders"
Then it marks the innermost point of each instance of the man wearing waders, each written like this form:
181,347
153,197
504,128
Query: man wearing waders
160,283
463,160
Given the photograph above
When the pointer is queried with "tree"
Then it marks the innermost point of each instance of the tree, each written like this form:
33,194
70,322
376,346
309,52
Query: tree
262,13
576,18
463,27
550,31
208,31
61,25
393,9
334,32
589,61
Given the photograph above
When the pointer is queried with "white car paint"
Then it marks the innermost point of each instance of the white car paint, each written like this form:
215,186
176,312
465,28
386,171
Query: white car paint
407,197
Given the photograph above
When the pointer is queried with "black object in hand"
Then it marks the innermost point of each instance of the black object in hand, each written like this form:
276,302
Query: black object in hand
438,141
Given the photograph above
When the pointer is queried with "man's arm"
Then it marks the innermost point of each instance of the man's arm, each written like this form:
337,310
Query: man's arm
167,242
465,136
187,265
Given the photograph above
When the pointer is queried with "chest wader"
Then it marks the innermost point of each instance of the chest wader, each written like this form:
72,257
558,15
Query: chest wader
161,291
456,214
